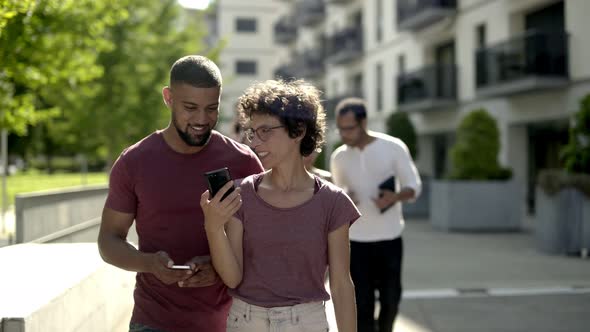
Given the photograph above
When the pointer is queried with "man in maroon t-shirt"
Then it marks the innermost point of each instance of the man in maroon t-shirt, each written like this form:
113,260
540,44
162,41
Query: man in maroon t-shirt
158,182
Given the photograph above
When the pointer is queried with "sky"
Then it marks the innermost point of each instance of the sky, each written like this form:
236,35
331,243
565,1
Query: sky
194,4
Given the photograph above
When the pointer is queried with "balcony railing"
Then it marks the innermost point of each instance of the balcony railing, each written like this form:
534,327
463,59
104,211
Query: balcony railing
309,64
533,61
430,87
310,12
345,46
416,14
338,2
285,30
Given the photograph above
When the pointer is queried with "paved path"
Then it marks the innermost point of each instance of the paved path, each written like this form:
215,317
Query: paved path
459,282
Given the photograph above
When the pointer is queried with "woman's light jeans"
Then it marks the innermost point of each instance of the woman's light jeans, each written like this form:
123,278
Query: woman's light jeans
308,317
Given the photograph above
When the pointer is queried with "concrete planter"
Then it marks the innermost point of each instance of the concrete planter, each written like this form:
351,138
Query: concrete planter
562,222
476,206
420,209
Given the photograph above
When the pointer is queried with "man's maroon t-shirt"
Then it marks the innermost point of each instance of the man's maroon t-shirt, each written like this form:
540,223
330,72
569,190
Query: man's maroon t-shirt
162,188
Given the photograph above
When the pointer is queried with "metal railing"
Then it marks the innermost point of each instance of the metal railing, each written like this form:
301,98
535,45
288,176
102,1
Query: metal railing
536,53
436,82
347,43
407,9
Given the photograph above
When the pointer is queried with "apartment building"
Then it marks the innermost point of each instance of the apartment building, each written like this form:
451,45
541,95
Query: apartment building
250,52
521,60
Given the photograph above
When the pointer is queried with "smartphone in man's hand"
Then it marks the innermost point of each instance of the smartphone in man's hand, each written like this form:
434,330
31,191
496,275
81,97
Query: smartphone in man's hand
217,179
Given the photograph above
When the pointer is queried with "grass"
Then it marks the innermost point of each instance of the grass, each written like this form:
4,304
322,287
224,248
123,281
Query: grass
37,181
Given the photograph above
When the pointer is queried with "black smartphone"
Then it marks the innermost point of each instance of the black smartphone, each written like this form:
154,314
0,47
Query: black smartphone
388,184
217,179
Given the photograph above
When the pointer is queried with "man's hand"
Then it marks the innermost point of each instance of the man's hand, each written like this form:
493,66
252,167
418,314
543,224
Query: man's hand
386,198
204,273
160,266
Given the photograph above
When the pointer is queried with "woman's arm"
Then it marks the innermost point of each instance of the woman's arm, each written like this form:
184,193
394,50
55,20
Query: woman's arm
341,286
225,246
224,233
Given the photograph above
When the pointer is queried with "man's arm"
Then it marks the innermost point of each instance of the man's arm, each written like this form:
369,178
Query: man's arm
114,249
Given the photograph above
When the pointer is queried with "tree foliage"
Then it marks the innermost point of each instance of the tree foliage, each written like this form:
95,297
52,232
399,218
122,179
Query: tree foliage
86,76
475,153
576,153
399,125
47,46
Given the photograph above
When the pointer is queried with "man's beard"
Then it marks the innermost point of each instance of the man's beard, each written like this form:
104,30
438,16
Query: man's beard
189,140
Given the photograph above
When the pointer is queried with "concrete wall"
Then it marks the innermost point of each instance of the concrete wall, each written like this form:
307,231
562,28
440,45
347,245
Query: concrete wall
62,287
67,211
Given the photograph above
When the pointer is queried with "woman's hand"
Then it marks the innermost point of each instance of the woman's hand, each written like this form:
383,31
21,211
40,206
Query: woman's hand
218,212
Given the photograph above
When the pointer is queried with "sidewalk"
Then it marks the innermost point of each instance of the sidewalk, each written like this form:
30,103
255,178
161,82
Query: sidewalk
455,282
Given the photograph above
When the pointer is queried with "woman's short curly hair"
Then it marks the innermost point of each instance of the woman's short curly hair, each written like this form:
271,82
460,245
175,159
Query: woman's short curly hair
297,105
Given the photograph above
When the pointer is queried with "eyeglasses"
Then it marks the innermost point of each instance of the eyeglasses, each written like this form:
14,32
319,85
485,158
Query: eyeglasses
263,133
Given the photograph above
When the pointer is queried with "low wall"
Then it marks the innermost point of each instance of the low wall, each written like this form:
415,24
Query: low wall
62,287
68,215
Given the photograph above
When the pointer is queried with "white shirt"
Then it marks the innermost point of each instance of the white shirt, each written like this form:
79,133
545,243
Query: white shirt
361,171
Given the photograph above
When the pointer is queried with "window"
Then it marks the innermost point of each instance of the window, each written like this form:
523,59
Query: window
379,21
379,86
245,67
401,64
481,35
246,25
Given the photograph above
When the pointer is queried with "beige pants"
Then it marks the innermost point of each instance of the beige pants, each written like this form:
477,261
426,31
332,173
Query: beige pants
306,317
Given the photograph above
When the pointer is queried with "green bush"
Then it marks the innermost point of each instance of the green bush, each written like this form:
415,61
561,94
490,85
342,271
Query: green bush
320,162
576,154
474,155
399,125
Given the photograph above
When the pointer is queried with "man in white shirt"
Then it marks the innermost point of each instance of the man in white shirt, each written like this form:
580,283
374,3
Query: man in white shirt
365,161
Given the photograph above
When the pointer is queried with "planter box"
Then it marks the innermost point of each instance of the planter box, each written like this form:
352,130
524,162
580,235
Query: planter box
420,209
562,222
476,206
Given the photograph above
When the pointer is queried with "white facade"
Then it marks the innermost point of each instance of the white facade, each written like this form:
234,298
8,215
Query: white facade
247,43
532,112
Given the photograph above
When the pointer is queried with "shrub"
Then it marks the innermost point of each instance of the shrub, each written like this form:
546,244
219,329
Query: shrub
576,157
399,125
474,155
576,154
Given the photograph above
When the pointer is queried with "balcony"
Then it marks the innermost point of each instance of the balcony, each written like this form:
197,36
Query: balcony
537,60
309,65
428,88
285,71
417,14
285,30
338,2
345,46
310,12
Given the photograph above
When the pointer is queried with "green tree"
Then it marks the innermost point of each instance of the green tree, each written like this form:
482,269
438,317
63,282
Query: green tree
475,153
125,103
576,153
47,46
399,125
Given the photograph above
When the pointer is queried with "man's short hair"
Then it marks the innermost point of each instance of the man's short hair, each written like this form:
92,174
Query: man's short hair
197,71
355,105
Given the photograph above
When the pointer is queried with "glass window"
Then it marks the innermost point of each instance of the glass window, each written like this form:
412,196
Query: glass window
246,24
246,67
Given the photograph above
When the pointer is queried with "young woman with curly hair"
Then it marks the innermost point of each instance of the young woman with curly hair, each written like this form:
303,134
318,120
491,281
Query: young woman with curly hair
274,242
